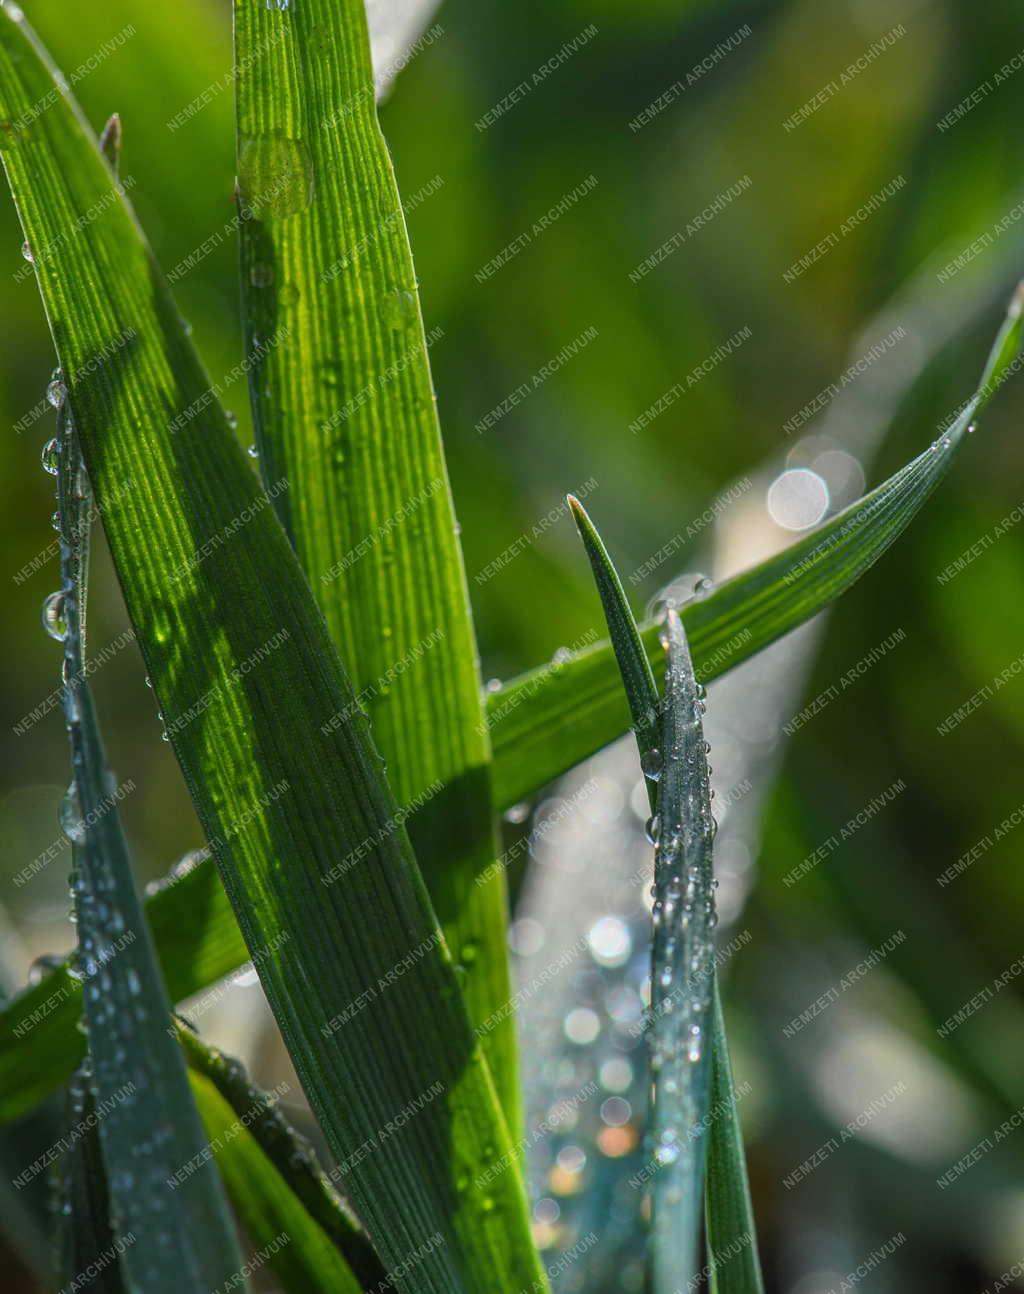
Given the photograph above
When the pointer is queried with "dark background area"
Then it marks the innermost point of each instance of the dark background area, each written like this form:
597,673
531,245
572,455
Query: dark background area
959,183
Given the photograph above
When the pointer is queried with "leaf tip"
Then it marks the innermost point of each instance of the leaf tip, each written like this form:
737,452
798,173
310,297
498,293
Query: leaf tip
110,140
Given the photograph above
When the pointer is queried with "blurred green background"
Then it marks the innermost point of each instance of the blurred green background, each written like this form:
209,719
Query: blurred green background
955,186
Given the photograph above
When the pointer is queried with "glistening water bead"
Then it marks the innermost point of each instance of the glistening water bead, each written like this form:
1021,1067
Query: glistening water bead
51,451
71,821
54,615
56,392
650,764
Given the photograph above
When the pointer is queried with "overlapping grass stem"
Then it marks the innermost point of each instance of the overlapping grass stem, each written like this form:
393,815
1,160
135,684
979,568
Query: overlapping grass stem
682,970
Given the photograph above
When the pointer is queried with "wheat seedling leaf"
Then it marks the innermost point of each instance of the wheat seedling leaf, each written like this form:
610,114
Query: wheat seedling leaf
344,413
731,1219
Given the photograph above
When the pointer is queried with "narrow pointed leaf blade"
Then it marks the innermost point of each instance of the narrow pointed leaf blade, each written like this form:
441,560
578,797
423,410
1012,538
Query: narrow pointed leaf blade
682,975
732,1241
137,1082
285,1237
548,720
288,1152
344,412
149,1124
732,1213
634,667
90,1245
309,841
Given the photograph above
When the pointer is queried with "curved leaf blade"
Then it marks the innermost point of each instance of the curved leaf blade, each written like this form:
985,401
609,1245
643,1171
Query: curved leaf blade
291,1156
284,1235
548,720
730,1211
345,414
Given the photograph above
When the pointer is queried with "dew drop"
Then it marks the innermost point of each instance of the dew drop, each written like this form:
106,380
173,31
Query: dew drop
26,251
50,455
70,816
43,966
650,764
54,619
651,829
56,392
253,451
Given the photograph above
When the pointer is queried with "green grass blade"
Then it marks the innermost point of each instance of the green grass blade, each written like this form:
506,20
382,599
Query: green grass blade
730,1210
90,1244
149,1125
309,842
291,1155
550,719
344,411
682,975
732,1240
284,1236
634,667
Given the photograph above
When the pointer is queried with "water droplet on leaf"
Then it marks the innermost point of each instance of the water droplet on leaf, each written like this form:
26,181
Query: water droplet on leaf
54,620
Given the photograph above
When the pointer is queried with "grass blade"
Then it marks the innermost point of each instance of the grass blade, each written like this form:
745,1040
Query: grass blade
550,719
732,1240
344,412
730,1217
137,1080
150,1125
634,667
284,1235
682,974
90,1244
214,590
291,1155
